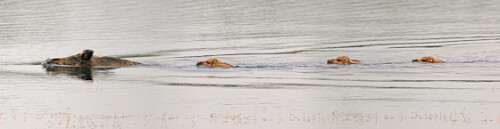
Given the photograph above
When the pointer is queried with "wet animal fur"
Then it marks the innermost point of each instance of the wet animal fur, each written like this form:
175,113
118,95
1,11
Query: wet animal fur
213,62
86,58
342,60
428,59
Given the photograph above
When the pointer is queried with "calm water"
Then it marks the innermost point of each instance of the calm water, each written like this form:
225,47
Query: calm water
281,47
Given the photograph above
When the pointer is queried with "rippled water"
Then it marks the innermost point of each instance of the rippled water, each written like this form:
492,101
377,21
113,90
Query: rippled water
281,48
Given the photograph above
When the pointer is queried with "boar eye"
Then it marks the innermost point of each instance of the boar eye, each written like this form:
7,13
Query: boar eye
338,60
208,62
423,60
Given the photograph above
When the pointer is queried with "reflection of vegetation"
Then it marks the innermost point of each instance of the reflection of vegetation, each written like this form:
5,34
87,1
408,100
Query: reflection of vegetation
84,72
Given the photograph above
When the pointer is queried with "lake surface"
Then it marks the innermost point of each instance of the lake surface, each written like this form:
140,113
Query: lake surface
281,48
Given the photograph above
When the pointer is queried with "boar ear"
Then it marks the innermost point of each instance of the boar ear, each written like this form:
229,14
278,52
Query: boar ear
87,54
214,62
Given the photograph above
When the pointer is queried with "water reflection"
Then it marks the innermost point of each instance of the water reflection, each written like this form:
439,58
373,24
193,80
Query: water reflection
83,72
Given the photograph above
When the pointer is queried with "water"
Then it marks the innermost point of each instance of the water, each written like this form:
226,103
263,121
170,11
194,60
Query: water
281,48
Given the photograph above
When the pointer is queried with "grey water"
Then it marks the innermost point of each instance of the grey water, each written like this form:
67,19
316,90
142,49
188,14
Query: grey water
281,48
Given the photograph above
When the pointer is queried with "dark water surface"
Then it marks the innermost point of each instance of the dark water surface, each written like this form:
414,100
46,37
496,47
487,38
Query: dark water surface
281,47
